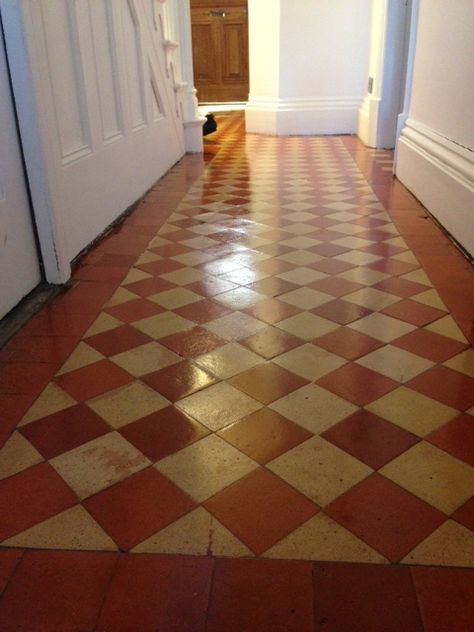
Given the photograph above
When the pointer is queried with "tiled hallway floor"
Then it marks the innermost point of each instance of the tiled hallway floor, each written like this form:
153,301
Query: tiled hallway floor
270,358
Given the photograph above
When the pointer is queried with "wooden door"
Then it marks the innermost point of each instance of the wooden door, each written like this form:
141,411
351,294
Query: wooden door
220,50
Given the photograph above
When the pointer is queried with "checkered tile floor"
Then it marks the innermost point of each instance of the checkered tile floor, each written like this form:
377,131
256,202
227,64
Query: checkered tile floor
269,372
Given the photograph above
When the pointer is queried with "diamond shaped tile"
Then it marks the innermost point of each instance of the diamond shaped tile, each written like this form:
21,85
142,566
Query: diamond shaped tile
397,364
267,382
179,380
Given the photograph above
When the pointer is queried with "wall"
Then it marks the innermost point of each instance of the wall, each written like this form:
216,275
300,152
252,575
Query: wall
435,151
321,49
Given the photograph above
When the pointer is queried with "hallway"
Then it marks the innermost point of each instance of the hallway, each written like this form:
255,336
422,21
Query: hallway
270,358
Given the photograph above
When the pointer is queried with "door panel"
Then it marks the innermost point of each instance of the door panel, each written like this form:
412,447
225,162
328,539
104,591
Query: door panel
220,50
19,266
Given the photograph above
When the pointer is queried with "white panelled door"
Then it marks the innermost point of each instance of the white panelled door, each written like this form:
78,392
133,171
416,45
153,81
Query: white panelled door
19,266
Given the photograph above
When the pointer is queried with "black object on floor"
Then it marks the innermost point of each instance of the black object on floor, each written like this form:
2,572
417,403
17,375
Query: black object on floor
210,125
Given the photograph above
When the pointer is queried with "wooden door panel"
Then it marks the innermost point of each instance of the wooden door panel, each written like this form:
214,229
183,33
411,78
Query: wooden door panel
220,50
234,52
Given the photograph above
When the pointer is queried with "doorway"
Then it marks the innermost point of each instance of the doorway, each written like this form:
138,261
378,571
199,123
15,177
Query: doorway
220,50
19,262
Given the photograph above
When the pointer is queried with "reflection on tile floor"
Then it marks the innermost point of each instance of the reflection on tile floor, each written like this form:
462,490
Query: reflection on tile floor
269,371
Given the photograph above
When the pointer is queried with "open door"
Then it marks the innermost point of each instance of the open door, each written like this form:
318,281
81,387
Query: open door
19,263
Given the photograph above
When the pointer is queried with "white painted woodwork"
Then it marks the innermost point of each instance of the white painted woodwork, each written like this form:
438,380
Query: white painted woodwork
19,268
107,119
436,147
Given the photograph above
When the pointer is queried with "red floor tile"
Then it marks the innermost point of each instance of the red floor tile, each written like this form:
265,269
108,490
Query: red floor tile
25,377
402,288
137,507
446,598
273,286
430,345
50,349
9,559
192,342
364,598
264,435
151,593
58,321
117,340
100,273
271,342
272,310
392,266
348,343
331,266
465,514
134,310
370,439
13,407
385,516
261,596
93,380
148,287
84,297
357,384
163,433
456,437
179,380
31,497
56,591
335,286
447,386
65,430
413,312
211,286
341,311
202,311
267,382
260,509
164,265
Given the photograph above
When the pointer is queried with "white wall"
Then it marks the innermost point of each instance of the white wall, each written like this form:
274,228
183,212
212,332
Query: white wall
321,50
435,151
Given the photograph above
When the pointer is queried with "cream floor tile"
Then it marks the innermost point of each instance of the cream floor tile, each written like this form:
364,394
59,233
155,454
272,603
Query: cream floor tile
302,275
371,298
446,326
433,475
450,545
341,216
412,411
307,326
240,298
194,258
205,467
73,529
52,400
183,276
463,362
17,455
319,470
145,359
177,297
300,257
98,464
365,276
351,230
407,257
135,275
163,325
300,243
103,322
147,257
299,229
470,411
83,355
120,296
128,403
351,242
243,276
357,257
199,243
417,276
395,363
431,298
324,540
218,406
228,360
197,533
382,327
235,326
309,361
313,408
305,298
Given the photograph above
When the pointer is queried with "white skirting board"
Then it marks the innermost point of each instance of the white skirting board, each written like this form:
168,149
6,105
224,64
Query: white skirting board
288,117
440,173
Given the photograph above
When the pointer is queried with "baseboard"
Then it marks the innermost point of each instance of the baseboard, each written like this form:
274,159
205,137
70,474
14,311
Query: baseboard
287,117
368,120
440,173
